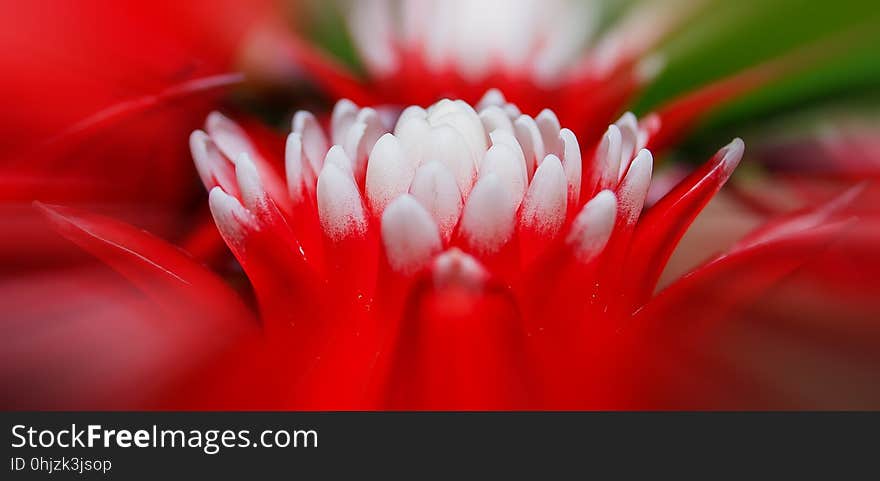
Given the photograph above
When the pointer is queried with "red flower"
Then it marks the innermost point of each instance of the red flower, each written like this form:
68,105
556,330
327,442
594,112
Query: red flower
478,259
473,259
461,279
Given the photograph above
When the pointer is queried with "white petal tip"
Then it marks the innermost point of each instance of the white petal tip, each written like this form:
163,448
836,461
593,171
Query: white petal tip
629,119
340,209
435,187
545,204
592,228
388,173
206,157
547,115
491,97
248,181
344,105
337,157
644,158
488,219
409,234
216,119
732,154
232,219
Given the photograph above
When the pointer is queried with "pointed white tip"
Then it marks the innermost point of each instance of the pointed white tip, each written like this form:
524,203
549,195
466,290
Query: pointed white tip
608,157
545,204
628,119
361,138
229,137
507,141
252,191
447,146
409,235
413,112
512,111
436,189
340,208
314,141
641,168
197,142
494,118
571,159
338,157
388,173
488,219
232,219
491,97
548,117
629,134
502,160
300,120
343,106
732,155
548,125
206,157
592,228
216,120
529,138
634,188
344,113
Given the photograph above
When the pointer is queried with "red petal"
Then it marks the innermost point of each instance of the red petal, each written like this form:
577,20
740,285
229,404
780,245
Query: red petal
712,340
663,225
459,349
180,322
161,270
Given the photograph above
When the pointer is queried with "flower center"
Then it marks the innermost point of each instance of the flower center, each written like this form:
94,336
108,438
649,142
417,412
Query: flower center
482,180
453,167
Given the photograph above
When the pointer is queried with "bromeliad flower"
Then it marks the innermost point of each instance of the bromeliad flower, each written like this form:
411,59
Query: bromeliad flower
442,257
465,260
